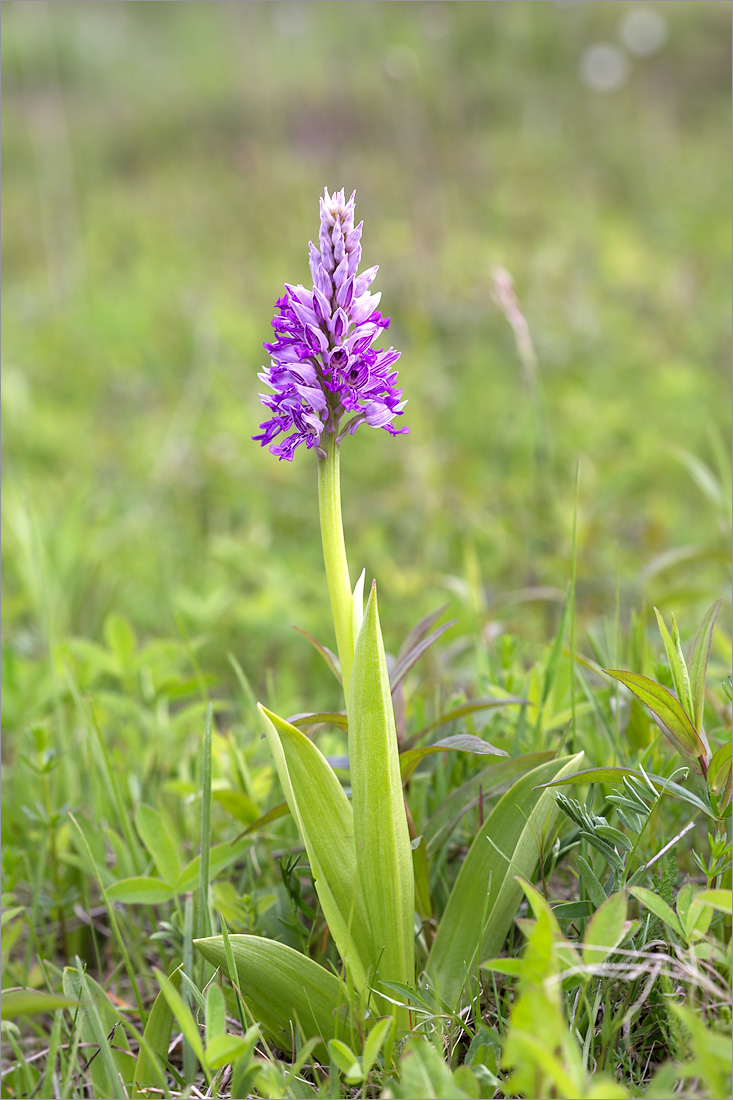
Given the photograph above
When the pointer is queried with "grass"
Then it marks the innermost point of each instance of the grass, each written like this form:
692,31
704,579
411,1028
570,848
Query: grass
160,173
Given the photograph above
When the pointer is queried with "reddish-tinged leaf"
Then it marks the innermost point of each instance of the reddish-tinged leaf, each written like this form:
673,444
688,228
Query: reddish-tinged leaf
462,742
328,656
404,663
663,704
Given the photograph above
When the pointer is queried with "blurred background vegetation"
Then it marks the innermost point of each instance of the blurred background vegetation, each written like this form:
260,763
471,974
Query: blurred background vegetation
161,171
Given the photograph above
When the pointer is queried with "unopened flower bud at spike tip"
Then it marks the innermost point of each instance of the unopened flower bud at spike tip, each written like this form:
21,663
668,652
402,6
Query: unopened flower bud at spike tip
324,372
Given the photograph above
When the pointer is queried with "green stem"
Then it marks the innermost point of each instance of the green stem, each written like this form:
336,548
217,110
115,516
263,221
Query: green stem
334,555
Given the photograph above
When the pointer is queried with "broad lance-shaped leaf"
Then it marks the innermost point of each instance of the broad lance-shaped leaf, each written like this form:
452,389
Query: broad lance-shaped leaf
284,989
698,661
325,821
486,894
663,704
677,665
381,836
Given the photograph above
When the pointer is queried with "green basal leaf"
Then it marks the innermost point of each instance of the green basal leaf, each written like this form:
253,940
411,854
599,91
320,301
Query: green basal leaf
662,703
461,742
486,894
326,823
698,661
381,836
284,990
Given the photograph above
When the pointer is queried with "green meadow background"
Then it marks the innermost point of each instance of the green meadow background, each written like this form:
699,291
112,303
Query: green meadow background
161,167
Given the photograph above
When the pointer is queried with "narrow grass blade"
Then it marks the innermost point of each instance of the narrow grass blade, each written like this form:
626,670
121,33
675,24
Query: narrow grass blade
282,988
112,918
326,823
509,844
380,825
203,919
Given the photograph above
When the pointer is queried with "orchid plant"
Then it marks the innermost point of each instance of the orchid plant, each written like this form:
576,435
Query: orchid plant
327,379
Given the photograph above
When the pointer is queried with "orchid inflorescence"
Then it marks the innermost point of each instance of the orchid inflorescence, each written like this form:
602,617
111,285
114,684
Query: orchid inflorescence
324,372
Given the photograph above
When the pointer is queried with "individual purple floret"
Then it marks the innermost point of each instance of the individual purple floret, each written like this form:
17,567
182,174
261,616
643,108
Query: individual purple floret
323,368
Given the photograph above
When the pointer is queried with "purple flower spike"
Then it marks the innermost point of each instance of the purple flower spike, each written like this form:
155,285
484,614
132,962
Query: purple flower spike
323,367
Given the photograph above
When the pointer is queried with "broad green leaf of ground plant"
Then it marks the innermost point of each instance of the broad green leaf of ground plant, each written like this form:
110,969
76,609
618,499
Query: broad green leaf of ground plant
486,894
283,989
674,720
381,837
325,821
